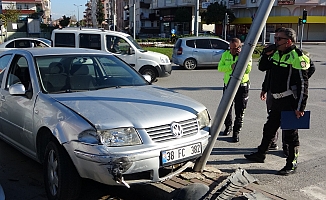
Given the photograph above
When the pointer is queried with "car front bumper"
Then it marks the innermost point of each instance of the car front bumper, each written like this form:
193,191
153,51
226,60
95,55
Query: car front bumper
133,167
164,70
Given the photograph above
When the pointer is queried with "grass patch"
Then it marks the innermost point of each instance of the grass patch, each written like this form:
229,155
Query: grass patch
165,51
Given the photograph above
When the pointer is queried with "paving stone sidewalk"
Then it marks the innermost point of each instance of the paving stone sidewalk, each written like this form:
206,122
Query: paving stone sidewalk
214,179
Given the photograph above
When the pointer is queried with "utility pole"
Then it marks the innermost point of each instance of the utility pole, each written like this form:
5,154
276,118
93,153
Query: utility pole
196,18
77,14
256,28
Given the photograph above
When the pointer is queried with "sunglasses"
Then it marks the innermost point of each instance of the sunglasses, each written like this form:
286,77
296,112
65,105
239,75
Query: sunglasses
280,38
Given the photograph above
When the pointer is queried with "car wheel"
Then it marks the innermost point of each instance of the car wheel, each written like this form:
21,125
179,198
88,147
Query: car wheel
61,178
190,64
149,71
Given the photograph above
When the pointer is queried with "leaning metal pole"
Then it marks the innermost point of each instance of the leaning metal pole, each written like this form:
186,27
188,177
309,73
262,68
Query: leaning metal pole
249,45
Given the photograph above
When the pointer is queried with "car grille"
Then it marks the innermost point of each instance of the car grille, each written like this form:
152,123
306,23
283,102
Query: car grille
163,133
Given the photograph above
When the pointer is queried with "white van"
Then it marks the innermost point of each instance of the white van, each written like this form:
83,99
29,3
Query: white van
120,44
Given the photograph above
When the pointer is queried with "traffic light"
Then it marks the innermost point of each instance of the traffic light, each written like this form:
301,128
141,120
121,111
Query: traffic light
304,17
300,21
227,18
126,12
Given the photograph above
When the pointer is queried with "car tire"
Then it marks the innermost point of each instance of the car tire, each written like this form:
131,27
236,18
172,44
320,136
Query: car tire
61,178
148,70
190,64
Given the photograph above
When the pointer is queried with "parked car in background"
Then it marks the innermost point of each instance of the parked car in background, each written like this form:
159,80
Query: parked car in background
192,52
206,33
47,41
120,44
24,43
85,113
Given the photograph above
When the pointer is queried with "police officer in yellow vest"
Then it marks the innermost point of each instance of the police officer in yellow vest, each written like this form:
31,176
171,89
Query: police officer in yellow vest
227,65
289,87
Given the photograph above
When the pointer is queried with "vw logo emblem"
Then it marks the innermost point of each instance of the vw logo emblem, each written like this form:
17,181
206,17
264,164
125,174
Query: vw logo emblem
177,130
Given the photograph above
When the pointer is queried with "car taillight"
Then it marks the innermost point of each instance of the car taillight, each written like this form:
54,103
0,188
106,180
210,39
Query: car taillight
179,52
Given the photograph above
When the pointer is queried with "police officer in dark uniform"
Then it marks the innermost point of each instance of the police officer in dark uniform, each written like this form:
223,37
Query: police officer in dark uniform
227,65
289,87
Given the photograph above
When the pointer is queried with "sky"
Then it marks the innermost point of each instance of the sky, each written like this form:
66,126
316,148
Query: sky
67,7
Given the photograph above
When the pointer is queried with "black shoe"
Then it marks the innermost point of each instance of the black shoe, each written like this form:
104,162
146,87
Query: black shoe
285,171
273,146
256,157
227,130
235,137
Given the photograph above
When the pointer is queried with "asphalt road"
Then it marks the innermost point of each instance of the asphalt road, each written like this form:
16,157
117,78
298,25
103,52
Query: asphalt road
21,177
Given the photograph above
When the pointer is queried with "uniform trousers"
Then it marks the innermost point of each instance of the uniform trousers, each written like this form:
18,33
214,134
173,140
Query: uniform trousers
291,137
240,104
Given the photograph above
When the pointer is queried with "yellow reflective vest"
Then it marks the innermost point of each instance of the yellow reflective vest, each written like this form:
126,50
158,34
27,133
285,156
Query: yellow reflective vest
225,65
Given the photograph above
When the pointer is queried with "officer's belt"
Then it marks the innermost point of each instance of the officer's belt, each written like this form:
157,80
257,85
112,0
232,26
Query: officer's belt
283,94
244,84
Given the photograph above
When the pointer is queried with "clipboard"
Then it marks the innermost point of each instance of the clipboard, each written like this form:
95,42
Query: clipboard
290,121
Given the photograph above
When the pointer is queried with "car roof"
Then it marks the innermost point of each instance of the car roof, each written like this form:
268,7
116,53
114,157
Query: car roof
22,38
56,51
201,37
89,30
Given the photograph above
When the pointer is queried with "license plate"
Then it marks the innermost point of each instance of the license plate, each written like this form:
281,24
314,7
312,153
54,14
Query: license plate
180,153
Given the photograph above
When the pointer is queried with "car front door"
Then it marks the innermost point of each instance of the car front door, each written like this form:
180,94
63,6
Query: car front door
218,48
120,47
203,52
17,110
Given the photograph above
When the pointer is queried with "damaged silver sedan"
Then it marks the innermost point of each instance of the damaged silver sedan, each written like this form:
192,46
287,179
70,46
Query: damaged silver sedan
84,113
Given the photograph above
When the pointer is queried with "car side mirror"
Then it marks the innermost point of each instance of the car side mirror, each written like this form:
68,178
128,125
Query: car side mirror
17,89
131,51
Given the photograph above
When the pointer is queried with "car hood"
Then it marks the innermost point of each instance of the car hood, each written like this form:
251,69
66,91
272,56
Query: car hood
139,107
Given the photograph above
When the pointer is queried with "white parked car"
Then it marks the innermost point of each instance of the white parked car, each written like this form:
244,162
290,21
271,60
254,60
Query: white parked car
120,44
85,113
25,43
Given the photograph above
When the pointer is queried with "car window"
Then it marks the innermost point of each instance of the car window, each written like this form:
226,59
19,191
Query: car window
116,44
190,43
91,41
178,43
74,73
18,72
64,40
4,60
203,44
218,44
11,45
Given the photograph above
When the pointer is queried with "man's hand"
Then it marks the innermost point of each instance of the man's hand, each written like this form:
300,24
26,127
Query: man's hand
263,95
299,113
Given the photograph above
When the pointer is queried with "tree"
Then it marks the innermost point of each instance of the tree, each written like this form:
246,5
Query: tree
215,14
99,12
65,21
10,14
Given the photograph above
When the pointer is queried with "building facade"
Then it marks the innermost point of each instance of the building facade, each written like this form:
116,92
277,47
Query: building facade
285,13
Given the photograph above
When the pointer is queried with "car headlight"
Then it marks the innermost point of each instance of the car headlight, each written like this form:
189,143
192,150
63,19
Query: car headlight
164,59
119,137
203,119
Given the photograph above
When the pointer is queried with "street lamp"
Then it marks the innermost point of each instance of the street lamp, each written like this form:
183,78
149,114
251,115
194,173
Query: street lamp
77,13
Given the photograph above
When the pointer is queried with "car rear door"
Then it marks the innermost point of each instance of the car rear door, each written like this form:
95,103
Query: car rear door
203,52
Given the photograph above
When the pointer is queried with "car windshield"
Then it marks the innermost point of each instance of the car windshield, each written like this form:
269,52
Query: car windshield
73,73
136,44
